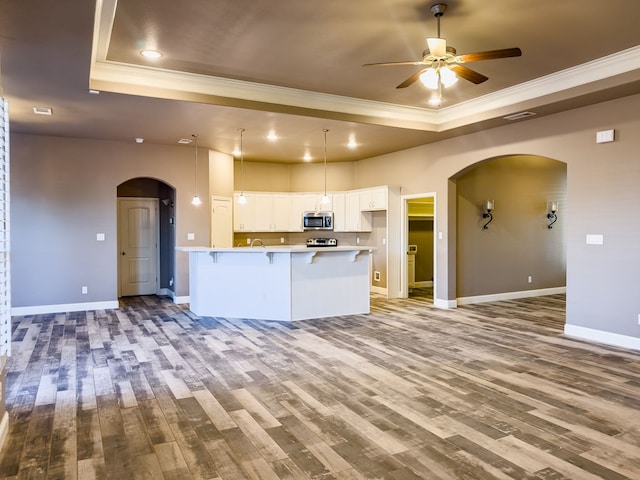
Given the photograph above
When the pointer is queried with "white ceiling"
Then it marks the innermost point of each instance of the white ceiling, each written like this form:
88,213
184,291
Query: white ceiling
296,67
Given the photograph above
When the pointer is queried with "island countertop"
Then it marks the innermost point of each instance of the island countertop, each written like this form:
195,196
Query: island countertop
276,248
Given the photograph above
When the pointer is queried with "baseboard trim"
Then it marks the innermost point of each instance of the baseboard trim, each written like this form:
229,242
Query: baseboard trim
439,303
423,284
600,336
64,307
4,430
379,290
179,300
496,297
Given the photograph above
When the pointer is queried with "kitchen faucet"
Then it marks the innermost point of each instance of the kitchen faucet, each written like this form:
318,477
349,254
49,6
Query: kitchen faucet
255,241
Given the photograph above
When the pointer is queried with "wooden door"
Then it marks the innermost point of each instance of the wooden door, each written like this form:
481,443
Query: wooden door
221,222
138,246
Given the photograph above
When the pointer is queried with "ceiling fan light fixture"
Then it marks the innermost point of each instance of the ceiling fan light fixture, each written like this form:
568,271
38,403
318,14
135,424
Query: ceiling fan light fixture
430,78
437,46
447,76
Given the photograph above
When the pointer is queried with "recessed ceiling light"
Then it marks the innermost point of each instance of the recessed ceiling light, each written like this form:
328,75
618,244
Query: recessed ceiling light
42,111
518,116
352,142
271,136
185,141
150,53
139,139
307,157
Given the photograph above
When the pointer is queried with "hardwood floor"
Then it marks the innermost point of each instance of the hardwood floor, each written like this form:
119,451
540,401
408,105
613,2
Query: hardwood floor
490,391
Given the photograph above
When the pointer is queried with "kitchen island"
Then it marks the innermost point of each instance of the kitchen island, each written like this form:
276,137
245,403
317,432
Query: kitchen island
283,283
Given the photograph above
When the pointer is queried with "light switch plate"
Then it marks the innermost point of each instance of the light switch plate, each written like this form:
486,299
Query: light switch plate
100,237
604,136
191,236
595,239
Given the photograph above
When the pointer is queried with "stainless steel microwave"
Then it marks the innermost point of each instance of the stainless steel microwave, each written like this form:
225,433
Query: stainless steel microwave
317,221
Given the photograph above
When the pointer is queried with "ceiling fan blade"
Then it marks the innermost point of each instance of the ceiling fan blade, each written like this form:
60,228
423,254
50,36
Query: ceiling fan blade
411,79
388,64
468,74
490,55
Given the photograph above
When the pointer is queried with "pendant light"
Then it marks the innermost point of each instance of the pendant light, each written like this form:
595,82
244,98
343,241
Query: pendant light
196,199
325,197
241,199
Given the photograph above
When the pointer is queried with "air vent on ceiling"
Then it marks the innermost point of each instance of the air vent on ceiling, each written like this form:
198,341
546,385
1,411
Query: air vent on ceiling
185,141
42,111
518,116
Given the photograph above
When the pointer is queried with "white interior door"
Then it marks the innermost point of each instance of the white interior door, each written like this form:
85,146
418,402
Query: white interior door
138,246
221,222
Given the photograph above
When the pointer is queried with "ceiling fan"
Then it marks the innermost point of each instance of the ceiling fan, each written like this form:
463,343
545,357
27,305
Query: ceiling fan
442,65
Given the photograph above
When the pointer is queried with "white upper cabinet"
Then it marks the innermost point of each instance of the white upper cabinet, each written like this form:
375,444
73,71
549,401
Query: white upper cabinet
282,212
244,214
339,212
373,199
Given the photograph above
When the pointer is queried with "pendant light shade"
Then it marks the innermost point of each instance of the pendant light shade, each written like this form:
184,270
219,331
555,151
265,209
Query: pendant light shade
196,199
241,199
325,197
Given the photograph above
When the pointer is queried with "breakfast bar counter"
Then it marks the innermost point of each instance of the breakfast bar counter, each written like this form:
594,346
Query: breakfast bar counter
283,283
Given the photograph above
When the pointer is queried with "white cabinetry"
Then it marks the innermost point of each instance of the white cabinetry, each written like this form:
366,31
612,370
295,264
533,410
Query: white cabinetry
339,212
355,220
263,212
373,199
244,214
281,212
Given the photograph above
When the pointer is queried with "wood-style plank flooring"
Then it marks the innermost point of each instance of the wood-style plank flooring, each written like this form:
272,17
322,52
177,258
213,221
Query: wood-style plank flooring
151,391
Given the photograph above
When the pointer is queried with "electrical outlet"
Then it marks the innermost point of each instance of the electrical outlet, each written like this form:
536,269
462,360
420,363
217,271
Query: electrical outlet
100,237
191,236
248,241
529,279
85,290
358,240
281,239
376,276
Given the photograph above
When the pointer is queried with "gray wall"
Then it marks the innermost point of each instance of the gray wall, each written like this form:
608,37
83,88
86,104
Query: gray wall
517,243
64,191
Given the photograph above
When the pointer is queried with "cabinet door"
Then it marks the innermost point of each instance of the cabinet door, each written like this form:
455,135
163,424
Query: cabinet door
339,212
243,215
352,211
373,199
281,212
297,209
263,212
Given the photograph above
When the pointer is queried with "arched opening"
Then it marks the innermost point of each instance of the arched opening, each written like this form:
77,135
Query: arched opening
134,196
511,253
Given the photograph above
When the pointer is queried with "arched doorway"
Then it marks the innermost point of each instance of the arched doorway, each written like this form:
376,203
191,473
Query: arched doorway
146,219
517,255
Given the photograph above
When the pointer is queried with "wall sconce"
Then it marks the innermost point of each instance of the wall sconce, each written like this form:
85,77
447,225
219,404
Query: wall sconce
552,208
487,213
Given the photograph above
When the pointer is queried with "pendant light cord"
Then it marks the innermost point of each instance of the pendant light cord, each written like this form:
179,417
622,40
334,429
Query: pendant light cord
241,130
195,174
325,160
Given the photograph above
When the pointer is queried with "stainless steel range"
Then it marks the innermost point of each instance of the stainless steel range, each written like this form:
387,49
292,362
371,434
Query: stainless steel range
322,242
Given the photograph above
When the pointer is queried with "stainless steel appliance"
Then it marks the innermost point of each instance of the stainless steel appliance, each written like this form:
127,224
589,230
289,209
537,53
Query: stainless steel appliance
322,242
317,221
